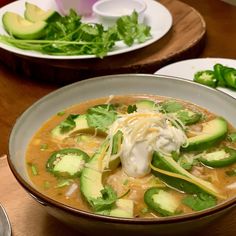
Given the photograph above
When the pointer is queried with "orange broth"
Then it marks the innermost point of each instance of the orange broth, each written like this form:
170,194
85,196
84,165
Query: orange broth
43,145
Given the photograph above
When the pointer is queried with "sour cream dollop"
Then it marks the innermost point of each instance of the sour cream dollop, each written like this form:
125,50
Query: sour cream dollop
143,133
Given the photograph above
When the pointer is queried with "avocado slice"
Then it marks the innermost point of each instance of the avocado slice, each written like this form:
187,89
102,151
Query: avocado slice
145,105
167,169
212,132
81,125
33,13
123,208
19,27
91,185
91,177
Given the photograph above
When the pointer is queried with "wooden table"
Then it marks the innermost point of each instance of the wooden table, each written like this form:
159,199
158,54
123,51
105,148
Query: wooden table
18,93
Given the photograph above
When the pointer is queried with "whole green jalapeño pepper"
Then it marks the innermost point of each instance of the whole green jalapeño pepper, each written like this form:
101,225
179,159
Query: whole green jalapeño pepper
206,77
220,158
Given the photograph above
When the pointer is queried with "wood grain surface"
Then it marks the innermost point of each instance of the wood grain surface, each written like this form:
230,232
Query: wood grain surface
185,39
18,92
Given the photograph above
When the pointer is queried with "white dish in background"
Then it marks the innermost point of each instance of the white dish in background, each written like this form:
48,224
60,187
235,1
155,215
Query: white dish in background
187,68
156,15
108,11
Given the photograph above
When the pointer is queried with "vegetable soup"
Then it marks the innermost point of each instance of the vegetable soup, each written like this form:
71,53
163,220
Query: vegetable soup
135,156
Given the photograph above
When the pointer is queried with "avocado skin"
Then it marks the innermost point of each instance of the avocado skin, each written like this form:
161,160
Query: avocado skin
21,28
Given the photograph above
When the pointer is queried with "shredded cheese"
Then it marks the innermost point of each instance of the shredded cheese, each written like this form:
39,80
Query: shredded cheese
144,132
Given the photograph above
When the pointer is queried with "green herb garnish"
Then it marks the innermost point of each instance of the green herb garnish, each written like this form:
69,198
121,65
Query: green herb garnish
231,173
63,182
61,113
199,202
106,201
232,137
131,108
33,168
68,124
171,106
101,116
43,146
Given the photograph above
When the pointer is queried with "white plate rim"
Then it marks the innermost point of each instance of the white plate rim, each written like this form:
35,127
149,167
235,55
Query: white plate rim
152,7
186,68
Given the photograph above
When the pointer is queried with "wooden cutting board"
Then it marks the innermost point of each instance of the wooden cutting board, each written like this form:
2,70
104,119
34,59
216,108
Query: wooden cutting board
184,40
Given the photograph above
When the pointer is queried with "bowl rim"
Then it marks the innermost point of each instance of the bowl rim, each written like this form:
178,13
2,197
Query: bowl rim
47,201
99,12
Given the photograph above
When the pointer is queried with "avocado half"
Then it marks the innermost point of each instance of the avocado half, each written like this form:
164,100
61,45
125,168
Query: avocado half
33,13
19,27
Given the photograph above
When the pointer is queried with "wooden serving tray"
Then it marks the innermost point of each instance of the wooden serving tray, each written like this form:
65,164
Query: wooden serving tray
184,40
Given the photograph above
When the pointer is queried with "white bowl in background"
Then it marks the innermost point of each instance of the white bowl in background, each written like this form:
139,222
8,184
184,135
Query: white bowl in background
108,11
82,7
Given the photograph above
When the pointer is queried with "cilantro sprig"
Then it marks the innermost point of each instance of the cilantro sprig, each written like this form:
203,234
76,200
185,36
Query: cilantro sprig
101,116
106,201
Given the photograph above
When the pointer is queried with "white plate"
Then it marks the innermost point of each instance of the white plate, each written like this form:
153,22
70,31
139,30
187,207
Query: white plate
156,16
187,68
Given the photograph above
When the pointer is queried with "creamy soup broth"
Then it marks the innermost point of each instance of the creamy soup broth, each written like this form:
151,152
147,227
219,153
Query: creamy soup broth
43,145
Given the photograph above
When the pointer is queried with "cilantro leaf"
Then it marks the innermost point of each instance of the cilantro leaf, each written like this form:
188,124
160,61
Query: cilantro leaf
184,163
129,30
131,108
188,117
68,124
106,201
232,137
199,202
171,106
63,26
231,172
101,116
